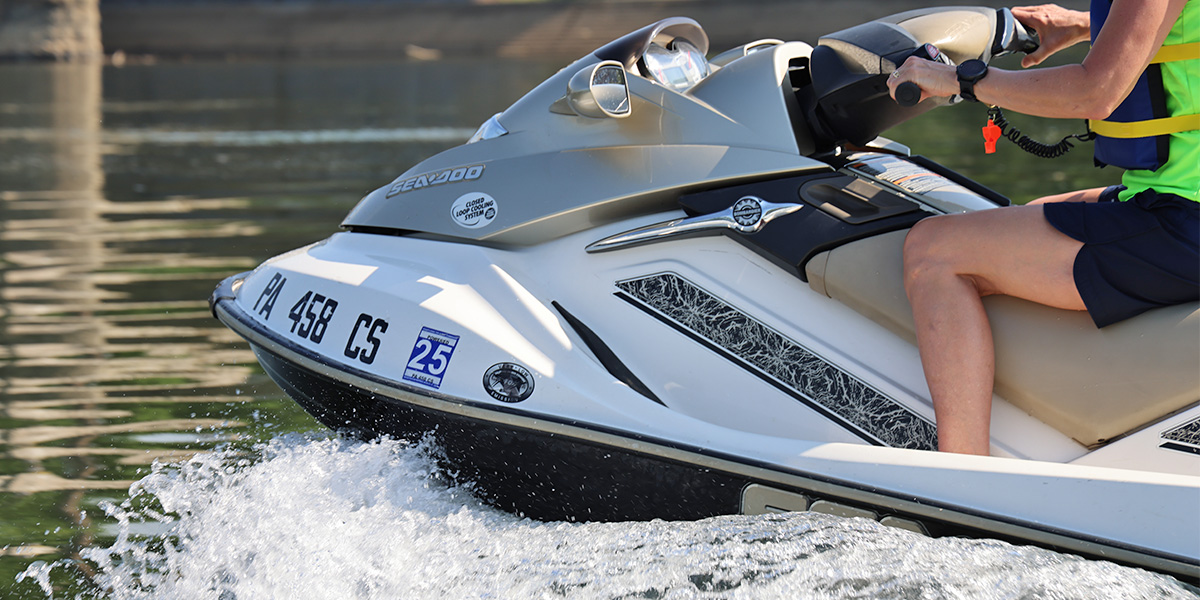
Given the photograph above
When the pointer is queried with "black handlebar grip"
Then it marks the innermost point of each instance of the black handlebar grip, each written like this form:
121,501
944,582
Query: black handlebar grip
908,94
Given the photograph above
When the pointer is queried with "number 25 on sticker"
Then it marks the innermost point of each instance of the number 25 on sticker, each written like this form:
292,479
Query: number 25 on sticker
430,357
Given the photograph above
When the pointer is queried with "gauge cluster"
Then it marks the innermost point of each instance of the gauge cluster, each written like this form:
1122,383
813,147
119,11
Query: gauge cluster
679,65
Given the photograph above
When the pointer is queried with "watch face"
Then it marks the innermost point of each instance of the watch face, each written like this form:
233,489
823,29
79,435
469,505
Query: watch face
972,69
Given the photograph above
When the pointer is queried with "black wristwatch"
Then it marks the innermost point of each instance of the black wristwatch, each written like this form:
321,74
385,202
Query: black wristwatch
969,73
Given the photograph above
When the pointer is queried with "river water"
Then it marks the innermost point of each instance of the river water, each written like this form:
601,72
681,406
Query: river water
146,455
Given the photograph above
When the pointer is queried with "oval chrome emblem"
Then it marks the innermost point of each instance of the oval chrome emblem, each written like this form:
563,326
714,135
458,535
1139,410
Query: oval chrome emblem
508,382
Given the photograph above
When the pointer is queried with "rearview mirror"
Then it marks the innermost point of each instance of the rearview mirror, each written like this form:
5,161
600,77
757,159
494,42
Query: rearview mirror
599,91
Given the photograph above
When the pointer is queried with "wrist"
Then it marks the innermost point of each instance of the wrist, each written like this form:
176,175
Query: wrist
1082,26
970,73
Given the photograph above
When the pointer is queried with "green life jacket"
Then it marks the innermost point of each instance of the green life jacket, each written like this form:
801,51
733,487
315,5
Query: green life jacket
1155,133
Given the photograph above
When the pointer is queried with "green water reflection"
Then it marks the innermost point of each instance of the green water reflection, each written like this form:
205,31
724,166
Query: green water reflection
114,230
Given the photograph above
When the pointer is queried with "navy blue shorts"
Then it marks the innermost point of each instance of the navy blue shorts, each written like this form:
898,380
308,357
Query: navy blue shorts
1137,255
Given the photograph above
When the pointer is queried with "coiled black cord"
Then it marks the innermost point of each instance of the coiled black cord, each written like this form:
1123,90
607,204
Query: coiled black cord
1033,146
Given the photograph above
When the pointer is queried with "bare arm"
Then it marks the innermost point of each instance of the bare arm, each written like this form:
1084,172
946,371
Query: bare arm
1134,31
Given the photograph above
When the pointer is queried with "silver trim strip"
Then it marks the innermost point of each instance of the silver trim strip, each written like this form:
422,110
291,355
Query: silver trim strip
731,219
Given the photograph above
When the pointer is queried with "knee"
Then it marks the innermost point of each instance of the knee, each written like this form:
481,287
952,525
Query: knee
936,254
925,252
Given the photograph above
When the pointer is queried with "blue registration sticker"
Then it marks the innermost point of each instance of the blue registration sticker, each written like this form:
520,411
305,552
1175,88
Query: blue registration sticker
430,357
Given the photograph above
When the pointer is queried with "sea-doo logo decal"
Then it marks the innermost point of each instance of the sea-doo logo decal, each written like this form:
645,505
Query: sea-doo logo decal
782,362
430,357
508,382
1185,438
425,180
747,211
474,210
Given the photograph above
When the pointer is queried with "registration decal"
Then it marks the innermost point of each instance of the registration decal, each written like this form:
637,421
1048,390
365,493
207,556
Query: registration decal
430,356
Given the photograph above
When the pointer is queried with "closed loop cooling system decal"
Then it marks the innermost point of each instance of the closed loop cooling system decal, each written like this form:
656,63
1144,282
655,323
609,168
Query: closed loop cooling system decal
474,210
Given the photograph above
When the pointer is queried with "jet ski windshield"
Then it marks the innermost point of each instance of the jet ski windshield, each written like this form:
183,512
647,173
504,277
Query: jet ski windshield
679,66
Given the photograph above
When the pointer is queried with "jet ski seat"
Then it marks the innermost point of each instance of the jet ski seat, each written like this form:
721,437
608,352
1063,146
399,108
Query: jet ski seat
1091,384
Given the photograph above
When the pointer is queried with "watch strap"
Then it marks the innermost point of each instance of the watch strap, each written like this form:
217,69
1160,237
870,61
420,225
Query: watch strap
966,84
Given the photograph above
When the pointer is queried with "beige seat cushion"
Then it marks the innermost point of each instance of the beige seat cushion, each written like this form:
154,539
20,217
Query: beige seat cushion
1091,384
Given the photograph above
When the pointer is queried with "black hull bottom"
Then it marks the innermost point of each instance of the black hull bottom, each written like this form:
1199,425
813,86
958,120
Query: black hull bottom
551,477
531,473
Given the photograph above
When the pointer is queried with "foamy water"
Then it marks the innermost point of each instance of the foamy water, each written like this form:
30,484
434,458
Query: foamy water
321,517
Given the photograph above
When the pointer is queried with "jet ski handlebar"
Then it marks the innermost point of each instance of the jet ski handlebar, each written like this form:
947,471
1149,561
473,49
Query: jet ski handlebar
908,94
850,67
1010,37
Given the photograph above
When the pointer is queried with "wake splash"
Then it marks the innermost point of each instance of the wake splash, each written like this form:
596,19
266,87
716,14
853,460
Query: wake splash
324,517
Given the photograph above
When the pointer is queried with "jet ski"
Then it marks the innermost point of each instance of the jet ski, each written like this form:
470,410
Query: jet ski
663,286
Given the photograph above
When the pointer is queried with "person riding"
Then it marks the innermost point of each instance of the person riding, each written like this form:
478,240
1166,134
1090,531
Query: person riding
1114,252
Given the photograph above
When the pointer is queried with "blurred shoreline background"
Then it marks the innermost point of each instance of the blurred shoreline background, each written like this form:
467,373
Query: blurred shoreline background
148,30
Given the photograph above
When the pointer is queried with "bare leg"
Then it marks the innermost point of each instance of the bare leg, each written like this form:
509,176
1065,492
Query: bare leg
951,262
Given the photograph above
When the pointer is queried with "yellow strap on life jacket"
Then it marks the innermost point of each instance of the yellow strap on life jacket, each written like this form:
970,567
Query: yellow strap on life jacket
1150,128
1153,127
1177,52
